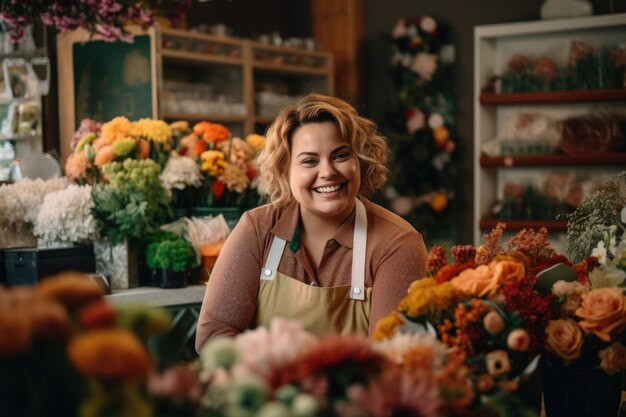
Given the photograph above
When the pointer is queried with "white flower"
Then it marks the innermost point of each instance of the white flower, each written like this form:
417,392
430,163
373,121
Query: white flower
447,54
20,201
428,24
181,172
600,253
65,217
401,343
435,121
607,277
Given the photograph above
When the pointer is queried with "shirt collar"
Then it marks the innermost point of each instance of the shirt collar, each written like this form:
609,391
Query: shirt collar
287,227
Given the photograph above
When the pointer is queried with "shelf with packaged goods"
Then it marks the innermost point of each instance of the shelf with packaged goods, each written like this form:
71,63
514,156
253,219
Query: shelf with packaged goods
20,137
198,57
512,161
494,48
554,97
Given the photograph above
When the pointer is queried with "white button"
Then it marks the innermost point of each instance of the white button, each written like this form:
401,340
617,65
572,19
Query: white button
356,290
267,272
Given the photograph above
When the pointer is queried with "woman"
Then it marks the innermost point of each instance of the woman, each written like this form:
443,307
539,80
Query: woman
320,252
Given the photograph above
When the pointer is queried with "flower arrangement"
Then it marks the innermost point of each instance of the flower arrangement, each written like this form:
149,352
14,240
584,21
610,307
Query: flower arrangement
65,218
228,165
485,308
106,18
94,145
20,202
65,351
132,201
423,139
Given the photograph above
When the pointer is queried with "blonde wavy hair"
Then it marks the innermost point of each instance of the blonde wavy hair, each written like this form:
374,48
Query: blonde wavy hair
370,148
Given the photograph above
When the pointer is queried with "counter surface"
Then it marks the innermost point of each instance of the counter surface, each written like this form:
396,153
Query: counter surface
161,297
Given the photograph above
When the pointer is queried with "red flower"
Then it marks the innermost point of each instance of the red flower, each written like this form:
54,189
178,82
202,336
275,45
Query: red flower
218,188
408,113
448,272
250,172
97,314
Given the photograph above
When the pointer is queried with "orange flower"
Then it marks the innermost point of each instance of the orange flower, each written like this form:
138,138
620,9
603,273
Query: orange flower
486,279
118,128
613,358
71,289
144,148
104,156
603,312
564,339
110,354
76,165
387,327
211,132
199,146
438,201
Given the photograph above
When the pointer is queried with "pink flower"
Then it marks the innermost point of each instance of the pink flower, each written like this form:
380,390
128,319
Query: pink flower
415,122
428,24
518,340
399,30
425,65
493,322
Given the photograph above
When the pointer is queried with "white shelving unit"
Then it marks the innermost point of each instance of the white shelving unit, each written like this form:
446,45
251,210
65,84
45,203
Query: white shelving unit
494,45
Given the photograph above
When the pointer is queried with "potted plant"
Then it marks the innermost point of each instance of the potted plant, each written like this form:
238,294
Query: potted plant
173,259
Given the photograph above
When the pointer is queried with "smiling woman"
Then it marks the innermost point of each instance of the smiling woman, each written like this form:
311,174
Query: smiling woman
320,252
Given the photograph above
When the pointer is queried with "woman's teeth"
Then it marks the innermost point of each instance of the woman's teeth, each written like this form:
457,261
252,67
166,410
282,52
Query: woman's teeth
328,189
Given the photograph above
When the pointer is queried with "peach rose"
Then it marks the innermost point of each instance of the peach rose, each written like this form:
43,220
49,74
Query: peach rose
486,279
613,358
104,156
493,322
603,312
564,339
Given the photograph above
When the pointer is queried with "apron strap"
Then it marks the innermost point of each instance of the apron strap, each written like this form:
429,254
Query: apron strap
268,273
357,289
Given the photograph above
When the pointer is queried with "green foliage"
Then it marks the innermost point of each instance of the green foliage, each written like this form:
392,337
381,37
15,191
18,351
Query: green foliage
132,202
174,255
598,211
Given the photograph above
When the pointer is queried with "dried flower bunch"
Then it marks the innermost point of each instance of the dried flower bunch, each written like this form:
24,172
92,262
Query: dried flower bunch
105,18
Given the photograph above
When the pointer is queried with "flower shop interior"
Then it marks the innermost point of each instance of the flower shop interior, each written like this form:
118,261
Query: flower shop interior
129,141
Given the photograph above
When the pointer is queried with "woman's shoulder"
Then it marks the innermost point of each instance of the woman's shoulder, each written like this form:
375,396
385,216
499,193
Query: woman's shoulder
266,216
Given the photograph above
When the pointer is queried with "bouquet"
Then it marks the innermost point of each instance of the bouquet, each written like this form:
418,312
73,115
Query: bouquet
94,145
485,308
132,202
228,166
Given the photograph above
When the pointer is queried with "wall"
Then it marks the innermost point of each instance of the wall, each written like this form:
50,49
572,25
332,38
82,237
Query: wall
461,16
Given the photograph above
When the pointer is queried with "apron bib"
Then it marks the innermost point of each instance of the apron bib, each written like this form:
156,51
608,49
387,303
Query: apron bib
321,310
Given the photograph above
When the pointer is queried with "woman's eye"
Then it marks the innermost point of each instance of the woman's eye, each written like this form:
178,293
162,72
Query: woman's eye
308,161
342,155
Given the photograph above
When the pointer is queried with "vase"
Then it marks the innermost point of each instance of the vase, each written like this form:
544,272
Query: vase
119,263
570,391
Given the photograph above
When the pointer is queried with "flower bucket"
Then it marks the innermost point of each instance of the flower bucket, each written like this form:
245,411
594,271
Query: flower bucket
119,263
571,391
172,279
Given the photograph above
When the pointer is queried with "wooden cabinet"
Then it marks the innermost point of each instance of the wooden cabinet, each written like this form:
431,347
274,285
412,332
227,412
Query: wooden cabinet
191,76
494,46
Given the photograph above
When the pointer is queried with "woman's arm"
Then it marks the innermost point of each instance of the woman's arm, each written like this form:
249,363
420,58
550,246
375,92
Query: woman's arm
403,263
231,295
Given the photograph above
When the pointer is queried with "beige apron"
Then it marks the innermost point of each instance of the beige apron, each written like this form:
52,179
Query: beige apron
343,309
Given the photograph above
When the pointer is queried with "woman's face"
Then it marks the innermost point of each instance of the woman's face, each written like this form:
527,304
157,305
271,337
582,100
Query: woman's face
324,172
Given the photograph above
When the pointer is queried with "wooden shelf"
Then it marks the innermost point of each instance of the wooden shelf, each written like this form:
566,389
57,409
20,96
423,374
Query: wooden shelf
205,117
289,69
552,97
198,57
265,120
20,137
552,225
609,158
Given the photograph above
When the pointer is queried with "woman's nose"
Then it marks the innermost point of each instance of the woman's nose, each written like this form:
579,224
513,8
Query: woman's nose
327,169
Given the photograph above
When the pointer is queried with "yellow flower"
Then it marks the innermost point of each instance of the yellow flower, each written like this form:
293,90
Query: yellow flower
154,130
425,295
387,327
118,128
256,141
213,162
180,125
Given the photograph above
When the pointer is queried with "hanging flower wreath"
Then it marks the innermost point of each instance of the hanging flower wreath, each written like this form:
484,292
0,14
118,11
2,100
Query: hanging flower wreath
423,143
106,18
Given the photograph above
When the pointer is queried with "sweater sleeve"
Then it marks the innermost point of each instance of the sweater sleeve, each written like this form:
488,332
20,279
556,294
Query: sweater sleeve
230,299
403,263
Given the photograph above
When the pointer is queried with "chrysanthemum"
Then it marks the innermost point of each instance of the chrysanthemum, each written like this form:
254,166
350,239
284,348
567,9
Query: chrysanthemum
154,130
118,128
256,141
235,178
213,162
